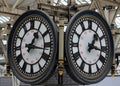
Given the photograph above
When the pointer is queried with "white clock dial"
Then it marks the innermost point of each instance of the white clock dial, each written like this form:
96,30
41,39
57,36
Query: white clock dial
32,56
33,45
86,38
87,48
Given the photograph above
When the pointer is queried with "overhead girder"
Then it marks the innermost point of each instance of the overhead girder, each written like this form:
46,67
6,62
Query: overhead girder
11,11
15,4
5,3
58,9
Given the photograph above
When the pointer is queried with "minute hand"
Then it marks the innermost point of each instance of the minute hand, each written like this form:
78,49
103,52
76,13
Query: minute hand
34,47
96,48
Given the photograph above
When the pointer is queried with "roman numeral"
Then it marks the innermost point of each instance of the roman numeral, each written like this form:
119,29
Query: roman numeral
103,36
24,66
102,59
17,48
45,56
89,24
31,71
74,44
82,25
82,65
77,34
45,33
39,26
104,49
39,66
97,28
25,29
19,58
90,69
97,67
20,38
47,44
76,56
32,24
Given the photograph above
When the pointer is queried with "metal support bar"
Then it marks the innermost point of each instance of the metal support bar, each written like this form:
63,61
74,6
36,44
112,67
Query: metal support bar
4,51
92,5
61,52
116,37
16,3
11,11
113,19
5,2
117,40
6,59
97,2
107,16
111,2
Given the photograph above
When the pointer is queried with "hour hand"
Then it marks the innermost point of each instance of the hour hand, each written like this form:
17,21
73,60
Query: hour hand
91,46
36,36
95,38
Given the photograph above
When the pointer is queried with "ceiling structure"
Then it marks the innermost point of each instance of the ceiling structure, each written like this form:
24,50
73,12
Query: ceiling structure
14,8
10,10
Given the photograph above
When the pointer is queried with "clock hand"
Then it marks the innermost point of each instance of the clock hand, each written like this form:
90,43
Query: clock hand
35,37
33,40
30,46
90,47
95,38
94,47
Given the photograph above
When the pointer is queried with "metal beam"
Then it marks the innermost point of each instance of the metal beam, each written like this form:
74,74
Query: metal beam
116,12
4,51
5,3
92,5
21,1
11,11
16,3
111,2
107,16
99,6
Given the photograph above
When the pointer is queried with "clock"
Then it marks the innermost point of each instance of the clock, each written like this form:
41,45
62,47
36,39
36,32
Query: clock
89,47
32,47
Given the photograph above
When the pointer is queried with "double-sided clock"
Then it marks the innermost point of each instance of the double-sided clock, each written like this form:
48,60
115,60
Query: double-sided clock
32,47
89,47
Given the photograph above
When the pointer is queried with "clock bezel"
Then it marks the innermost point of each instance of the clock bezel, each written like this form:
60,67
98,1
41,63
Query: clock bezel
52,63
73,72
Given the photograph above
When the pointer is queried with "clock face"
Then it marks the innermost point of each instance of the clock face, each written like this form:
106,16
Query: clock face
89,47
33,47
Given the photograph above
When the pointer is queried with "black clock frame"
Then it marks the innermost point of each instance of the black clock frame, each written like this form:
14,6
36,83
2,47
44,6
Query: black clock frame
70,67
52,64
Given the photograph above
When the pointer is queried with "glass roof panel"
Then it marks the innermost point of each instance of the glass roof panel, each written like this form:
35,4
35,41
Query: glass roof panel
4,19
117,21
83,1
